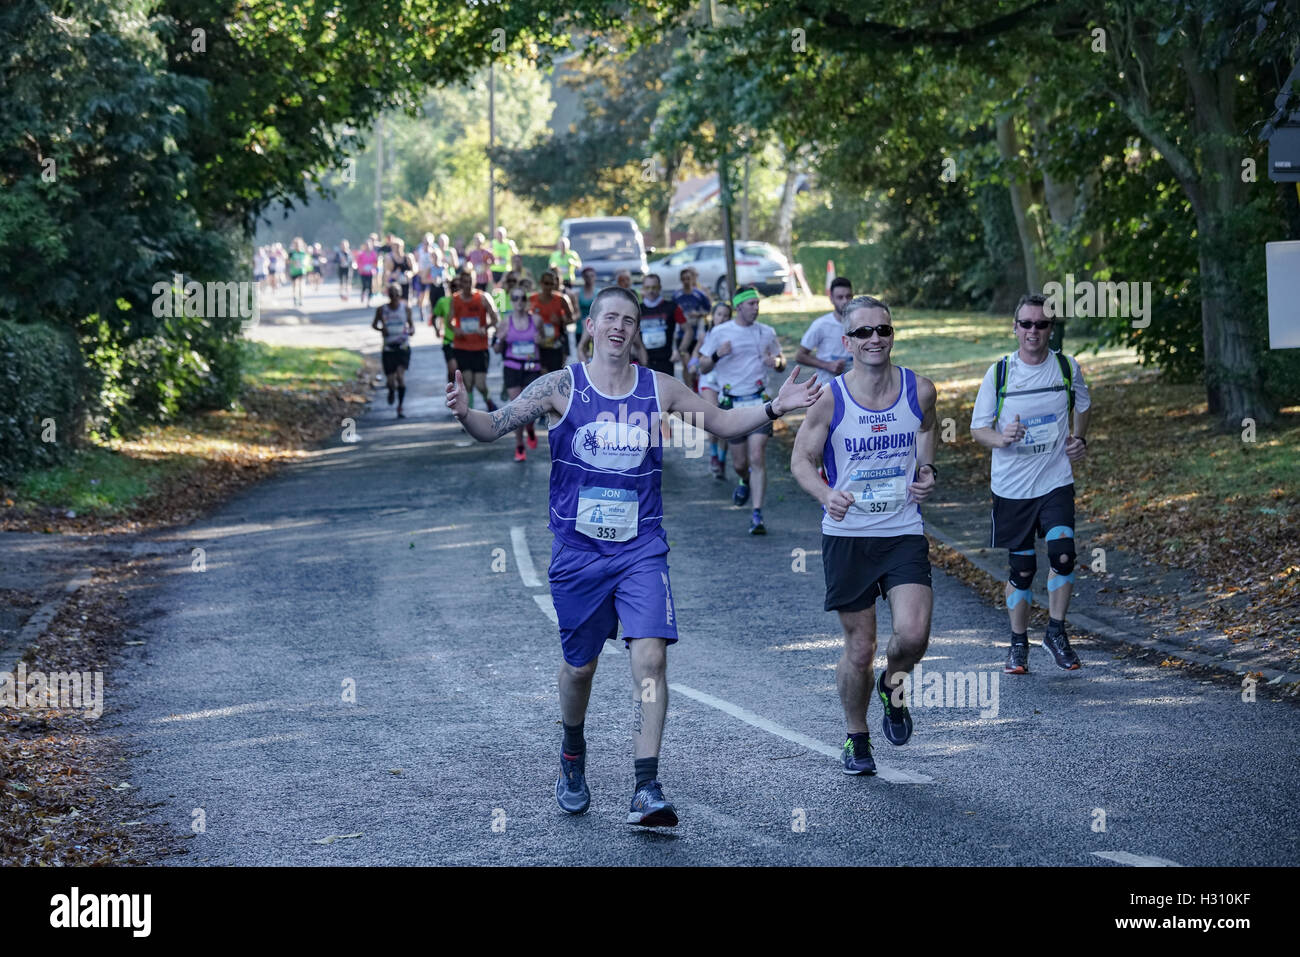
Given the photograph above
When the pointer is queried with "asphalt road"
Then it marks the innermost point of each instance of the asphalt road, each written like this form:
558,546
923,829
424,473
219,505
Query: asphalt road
397,565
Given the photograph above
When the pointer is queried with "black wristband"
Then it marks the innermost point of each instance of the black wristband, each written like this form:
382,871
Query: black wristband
771,412
1083,440
929,465
714,357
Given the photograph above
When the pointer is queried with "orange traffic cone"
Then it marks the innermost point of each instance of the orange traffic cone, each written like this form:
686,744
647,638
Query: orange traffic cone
830,274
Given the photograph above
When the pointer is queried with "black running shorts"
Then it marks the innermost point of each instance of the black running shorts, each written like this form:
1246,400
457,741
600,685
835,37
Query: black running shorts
552,359
859,568
1018,521
395,359
518,378
471,360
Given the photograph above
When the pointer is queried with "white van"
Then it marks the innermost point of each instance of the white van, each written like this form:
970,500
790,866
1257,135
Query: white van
608,244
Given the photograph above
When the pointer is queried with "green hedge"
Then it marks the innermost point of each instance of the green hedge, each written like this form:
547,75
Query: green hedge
859,262
41,377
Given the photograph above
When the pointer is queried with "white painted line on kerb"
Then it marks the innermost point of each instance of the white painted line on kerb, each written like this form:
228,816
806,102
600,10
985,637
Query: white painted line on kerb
1136,860
892,775
523,559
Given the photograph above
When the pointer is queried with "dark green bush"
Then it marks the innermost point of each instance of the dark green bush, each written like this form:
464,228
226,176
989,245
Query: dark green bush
41,377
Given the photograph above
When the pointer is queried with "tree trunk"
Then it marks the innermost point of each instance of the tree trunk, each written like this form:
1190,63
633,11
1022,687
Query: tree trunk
744,202
785,212
661,215
1009,149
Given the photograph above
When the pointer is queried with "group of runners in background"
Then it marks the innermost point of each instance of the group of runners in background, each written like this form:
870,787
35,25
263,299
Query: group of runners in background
865,451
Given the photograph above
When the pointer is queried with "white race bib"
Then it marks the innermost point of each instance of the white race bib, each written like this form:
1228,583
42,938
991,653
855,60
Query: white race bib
523,350
747,403
654,333
884,490
1041,435
607,514
469,325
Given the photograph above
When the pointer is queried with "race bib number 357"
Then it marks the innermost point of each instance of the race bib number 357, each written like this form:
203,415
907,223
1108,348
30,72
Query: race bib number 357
607,514
884,490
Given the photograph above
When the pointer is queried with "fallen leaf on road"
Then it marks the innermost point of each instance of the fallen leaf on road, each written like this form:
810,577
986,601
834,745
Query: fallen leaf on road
334,837
124,786
394,770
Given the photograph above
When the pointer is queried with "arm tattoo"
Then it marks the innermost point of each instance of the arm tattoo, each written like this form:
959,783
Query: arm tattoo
531,402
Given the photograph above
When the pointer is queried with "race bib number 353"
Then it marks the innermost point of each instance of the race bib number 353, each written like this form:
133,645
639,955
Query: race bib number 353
607,514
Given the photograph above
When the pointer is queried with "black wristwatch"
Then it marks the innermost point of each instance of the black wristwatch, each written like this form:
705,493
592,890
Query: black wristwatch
714,357
928,465
1083,440
771,412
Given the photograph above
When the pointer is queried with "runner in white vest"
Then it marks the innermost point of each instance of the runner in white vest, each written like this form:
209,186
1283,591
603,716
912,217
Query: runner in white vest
873,431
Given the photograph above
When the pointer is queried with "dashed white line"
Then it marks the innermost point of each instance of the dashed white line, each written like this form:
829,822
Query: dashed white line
1136,860
523,559
892,775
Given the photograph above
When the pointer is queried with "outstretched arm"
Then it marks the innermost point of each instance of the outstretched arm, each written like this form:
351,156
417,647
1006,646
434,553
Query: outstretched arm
733,423
550,393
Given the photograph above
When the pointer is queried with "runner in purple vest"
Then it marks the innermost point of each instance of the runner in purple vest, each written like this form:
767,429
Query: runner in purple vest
609,559
521,349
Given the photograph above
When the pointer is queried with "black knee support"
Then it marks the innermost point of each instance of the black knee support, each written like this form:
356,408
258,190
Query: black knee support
1060,549
1023,566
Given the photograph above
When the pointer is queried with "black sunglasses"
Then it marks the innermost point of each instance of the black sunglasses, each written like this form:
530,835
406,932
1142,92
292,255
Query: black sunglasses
864,332
1028,324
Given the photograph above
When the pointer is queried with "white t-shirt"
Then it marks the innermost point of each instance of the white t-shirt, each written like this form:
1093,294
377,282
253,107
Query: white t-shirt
1037,463
825,339
742,368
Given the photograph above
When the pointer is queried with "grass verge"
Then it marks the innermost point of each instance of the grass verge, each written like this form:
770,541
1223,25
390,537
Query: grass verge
167,474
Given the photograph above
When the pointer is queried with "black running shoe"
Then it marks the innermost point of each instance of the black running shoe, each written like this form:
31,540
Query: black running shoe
571,791
1018,657
741,494
855,763
897,721
1059,645
651,809
757,528
392,395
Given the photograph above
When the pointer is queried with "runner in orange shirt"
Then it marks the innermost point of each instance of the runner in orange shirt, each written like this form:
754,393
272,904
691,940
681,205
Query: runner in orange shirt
473,317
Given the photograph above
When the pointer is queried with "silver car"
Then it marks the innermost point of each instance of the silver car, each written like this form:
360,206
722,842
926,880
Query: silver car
757,264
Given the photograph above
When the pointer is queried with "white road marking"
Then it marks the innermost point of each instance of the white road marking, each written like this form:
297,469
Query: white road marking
548,607
892,775
1136,860
523,559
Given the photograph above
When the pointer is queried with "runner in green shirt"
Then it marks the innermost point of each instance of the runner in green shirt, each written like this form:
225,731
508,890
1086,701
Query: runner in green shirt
504,252
300,263
566,261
